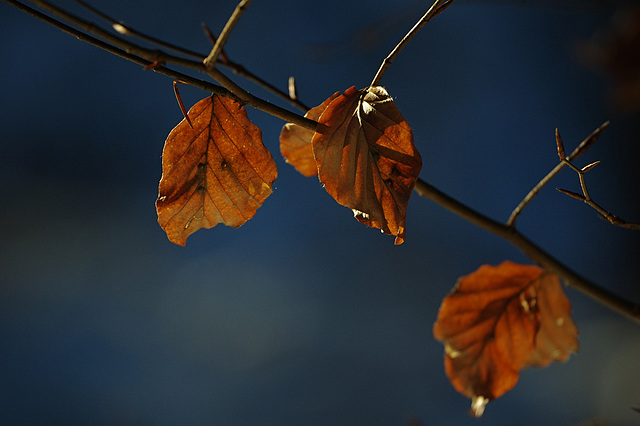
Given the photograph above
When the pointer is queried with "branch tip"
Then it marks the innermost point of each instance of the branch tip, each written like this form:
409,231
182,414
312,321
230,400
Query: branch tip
560,145
436,8
590,166
588,141
292,88
572,194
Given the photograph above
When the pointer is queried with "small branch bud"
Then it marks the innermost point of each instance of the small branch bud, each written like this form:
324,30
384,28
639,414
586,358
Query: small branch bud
590,166
119,28
560,145
572,194
292,88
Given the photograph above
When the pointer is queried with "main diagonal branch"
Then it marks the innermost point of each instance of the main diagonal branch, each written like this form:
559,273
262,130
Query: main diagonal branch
532,251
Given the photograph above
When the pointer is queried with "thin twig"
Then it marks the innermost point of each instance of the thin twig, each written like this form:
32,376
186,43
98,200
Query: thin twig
157,55
153,55
437,7
123,29
532,251
222,57
210,61
613,219
580,149
253,101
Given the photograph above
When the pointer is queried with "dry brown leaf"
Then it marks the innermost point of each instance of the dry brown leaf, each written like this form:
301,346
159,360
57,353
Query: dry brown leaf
295,141
557,336
499,320
366,158
216,172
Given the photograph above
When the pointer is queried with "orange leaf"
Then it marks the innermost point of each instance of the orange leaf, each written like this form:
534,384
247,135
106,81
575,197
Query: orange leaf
295,141
499,320
366,159
217,172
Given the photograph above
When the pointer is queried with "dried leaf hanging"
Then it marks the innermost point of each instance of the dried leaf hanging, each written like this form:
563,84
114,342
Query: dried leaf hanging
295,141
216,172
499,320
366,158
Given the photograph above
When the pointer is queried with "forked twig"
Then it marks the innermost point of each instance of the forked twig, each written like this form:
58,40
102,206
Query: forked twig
436,8
580,149
222,57
157,55
147,57
613,219
210,61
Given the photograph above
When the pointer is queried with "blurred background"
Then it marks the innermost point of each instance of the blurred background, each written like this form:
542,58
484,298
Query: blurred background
303,315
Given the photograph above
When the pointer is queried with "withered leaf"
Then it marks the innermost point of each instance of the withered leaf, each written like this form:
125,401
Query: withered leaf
216,172
499,320
295,141
366,158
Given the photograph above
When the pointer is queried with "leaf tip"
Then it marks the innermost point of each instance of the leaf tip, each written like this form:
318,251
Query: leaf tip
478,404
399,236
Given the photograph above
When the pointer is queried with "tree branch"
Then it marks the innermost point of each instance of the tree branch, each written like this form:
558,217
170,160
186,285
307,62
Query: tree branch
123,29
155,55
532,251
251,100
507,231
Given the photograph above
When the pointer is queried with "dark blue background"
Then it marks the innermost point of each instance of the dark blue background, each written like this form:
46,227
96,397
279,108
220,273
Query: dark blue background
302,315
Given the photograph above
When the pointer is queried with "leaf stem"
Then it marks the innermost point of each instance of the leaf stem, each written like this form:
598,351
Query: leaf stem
437,7
532,251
